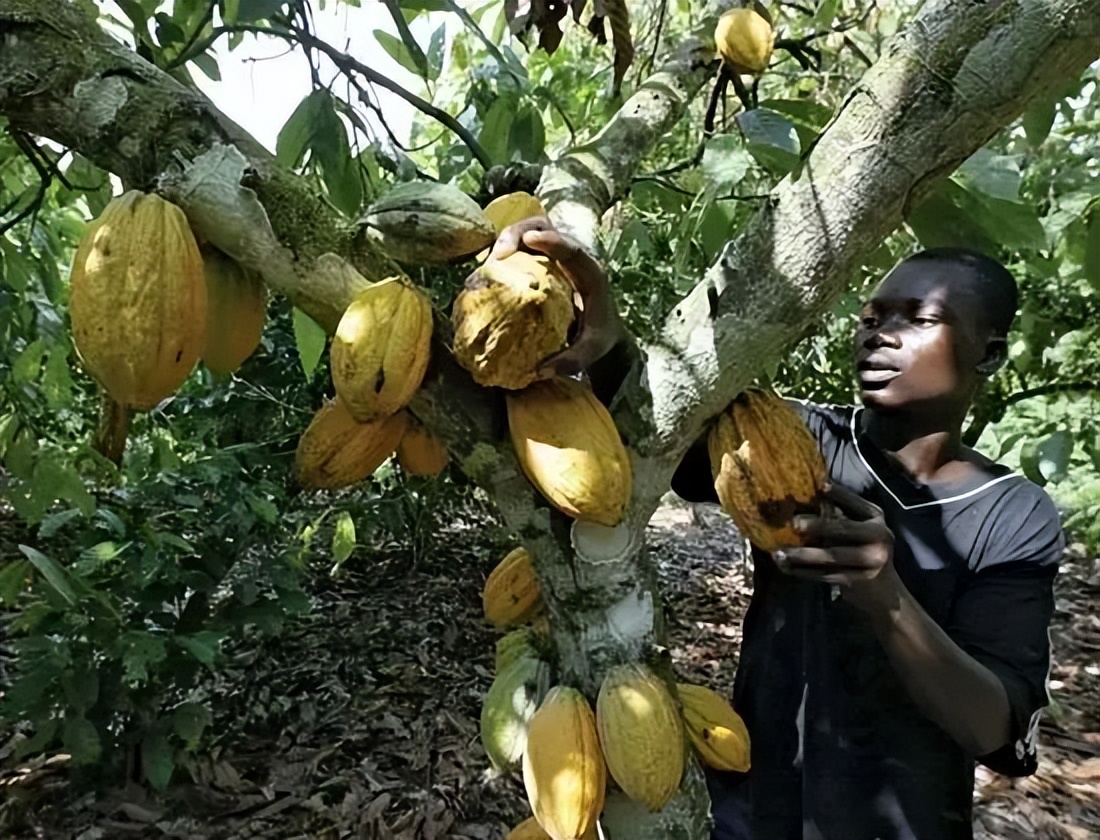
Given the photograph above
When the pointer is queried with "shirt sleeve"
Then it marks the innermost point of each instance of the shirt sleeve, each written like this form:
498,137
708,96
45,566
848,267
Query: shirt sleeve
1003,614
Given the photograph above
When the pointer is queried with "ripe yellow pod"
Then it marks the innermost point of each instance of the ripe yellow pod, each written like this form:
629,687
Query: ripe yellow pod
766,467
563,768
236,311
641,734
381,349
745,40
138,299
716,731
337,451
569,448
512,595
420,452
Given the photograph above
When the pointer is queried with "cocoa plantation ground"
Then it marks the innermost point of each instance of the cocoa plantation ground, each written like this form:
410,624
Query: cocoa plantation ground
361,719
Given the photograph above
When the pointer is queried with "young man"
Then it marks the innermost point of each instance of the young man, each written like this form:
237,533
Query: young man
907,638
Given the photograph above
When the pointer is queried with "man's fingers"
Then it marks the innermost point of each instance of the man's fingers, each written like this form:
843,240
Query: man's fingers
835,530
835,565
851,503
586,275
511,238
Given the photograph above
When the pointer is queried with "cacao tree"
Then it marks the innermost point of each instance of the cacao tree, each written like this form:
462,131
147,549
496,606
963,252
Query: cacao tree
942,87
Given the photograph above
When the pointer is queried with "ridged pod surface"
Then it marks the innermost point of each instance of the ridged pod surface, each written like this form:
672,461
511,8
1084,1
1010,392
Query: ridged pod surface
381,349
511,315
236,311
641,734
563,767
511,595
138,299
337,451
530,829
716,731
508,707
523,641
745,39
429,223
420,452
569,448
514,207
766,467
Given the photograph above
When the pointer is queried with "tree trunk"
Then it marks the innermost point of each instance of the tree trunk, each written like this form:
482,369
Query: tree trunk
957,75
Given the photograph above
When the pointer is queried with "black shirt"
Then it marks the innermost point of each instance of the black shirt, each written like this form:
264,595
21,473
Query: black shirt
839,750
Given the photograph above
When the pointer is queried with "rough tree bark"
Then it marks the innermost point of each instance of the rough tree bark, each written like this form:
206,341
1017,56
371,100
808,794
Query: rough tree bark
943,87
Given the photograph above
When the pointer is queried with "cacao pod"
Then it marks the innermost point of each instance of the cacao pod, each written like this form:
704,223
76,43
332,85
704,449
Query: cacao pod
511,315
509,704
563,768
420,452
745,40
569,448
641,734
523,641
511,208
511,595
716,731
138,299
236,311
381,349
428,223
337,451
766,467
530,829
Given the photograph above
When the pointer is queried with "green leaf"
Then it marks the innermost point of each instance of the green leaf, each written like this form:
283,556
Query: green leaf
81,687
264,508
1038,120
725,162
310,339
946,217
140,651
716,229
496,127
1053,455
436,48
397,50
1092,247
81,740
189,721
27,364
297,133
56,576
807,116
526,135
158,759
55,477
412,48
771,139
230,10
997,176
825,13
252,10
204,646
57,380
208,65
343,540
14,577
21,454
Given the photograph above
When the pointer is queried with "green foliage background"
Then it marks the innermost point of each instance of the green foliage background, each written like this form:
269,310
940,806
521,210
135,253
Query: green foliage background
122,586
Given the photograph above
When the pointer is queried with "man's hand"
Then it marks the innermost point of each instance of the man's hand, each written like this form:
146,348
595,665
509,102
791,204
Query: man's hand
851,547
599,326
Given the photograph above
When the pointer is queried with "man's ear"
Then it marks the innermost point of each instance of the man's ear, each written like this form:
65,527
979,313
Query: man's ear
996,354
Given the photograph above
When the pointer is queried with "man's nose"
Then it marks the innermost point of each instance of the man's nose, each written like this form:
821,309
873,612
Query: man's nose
882,337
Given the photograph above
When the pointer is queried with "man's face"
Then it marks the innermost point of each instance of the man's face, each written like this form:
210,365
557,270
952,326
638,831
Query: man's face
918,342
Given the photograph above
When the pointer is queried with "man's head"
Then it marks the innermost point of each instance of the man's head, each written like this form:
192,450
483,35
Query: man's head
933,330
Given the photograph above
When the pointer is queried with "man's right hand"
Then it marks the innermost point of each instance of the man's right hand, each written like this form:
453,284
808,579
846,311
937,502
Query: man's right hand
599,326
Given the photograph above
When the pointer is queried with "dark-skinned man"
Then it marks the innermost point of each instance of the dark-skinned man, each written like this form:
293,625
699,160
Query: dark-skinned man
907,638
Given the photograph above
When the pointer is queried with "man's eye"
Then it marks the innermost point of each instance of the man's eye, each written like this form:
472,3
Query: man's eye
925,322
868,322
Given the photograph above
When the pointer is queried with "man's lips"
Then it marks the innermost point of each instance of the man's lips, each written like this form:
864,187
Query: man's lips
876,370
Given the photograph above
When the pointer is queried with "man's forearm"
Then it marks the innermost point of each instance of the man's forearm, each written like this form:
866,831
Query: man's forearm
960,694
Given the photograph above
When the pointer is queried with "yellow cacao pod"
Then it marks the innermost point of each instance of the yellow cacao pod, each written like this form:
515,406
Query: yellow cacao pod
337,451
511,208
716,731
745,40
420,452
138,299
511,595
569,448
530,829
563,768
641,734
523,641
511,315
509,704
766,467
236,311
428,223
381,349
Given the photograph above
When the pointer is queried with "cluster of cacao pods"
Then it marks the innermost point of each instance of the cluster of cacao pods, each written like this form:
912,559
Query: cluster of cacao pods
147,302
766,467
636,738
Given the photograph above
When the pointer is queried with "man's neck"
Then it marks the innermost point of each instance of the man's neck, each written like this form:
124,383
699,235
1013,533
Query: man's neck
926,447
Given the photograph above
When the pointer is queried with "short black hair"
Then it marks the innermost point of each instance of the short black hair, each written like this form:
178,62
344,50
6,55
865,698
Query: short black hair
990,280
